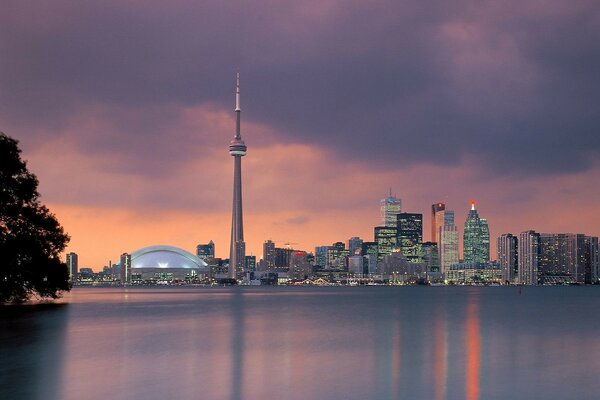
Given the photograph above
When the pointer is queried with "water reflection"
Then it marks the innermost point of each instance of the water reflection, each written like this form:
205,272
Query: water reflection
32,341
304,343
473,349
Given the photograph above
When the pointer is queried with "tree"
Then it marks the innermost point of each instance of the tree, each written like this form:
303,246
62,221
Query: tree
31,239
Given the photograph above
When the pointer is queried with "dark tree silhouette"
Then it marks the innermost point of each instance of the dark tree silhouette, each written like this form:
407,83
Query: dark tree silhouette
31,238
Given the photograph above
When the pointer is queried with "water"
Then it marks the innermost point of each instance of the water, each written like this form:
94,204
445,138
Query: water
305,343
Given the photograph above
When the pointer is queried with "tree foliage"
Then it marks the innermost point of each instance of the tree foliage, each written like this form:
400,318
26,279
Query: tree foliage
31,239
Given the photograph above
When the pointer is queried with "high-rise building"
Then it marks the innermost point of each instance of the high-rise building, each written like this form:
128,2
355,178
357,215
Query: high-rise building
370,249
528,260
336,256
567,258
437,220
448,246
410,235
355,246
390,207
269,255
429,255
386,238
321,255
125,268
237,149
72,266
282,259
250,264
299,267
476,238
508,257
205,251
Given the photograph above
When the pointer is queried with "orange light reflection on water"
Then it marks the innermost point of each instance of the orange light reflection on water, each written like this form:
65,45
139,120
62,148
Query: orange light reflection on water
473,350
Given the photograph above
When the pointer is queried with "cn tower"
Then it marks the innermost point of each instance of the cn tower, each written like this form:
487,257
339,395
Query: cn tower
237,148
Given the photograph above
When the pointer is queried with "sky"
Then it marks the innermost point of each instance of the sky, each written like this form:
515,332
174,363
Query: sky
124,111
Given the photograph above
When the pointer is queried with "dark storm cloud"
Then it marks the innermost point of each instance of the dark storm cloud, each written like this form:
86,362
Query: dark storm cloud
513,87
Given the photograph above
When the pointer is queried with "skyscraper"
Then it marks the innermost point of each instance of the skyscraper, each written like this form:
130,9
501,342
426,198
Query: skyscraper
448,239
390,207
386,238
437,220
269,255
125,268
354,246
237,149
529,254
72,265
476,238
410,235
508,256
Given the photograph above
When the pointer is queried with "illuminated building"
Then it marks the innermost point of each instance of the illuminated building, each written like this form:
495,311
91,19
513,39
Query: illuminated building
165,263
269,256
250,264
448,244
508,256
410,235
567,258
429,255
437,220
391,206
125,268
321,255
72,266
476,238
299,266
237,149
336,256
528,260
386,239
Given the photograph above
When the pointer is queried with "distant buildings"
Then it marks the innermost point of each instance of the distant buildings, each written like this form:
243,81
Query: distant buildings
507,256
528,257
205,251
125,268
437,221
386,238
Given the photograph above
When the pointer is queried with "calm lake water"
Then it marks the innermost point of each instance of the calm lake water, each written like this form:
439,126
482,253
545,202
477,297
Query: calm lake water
305,343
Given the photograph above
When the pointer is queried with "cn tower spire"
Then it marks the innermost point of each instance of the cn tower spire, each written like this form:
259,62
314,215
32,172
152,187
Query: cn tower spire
237,149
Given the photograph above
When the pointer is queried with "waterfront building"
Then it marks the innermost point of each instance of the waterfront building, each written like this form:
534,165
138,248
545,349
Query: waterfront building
282,259
386,239
508,257
72,266
370,248
237,149
437,220
205,251
476,238
528,259
165,264
567,258
268,256
410,235
321,255
391,206
467,273
336,256
125,268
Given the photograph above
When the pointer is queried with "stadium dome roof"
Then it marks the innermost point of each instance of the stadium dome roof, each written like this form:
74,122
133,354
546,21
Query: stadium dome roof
165,257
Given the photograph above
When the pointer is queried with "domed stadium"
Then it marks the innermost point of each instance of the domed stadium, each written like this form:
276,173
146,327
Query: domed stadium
165,263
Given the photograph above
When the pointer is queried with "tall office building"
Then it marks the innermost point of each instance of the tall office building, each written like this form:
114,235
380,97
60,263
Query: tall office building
336,256
430,256
205,251
529,255
391,206
72,266
269,255
386,238
250,264
448,246
355,246
567,258
437,220
321,255
476,238
300,267
237,149
508,256
410,235
125,268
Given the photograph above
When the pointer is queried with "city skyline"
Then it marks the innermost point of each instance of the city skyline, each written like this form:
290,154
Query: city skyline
123,112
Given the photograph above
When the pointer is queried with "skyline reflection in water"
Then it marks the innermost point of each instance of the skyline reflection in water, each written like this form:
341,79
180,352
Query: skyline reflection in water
304,343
